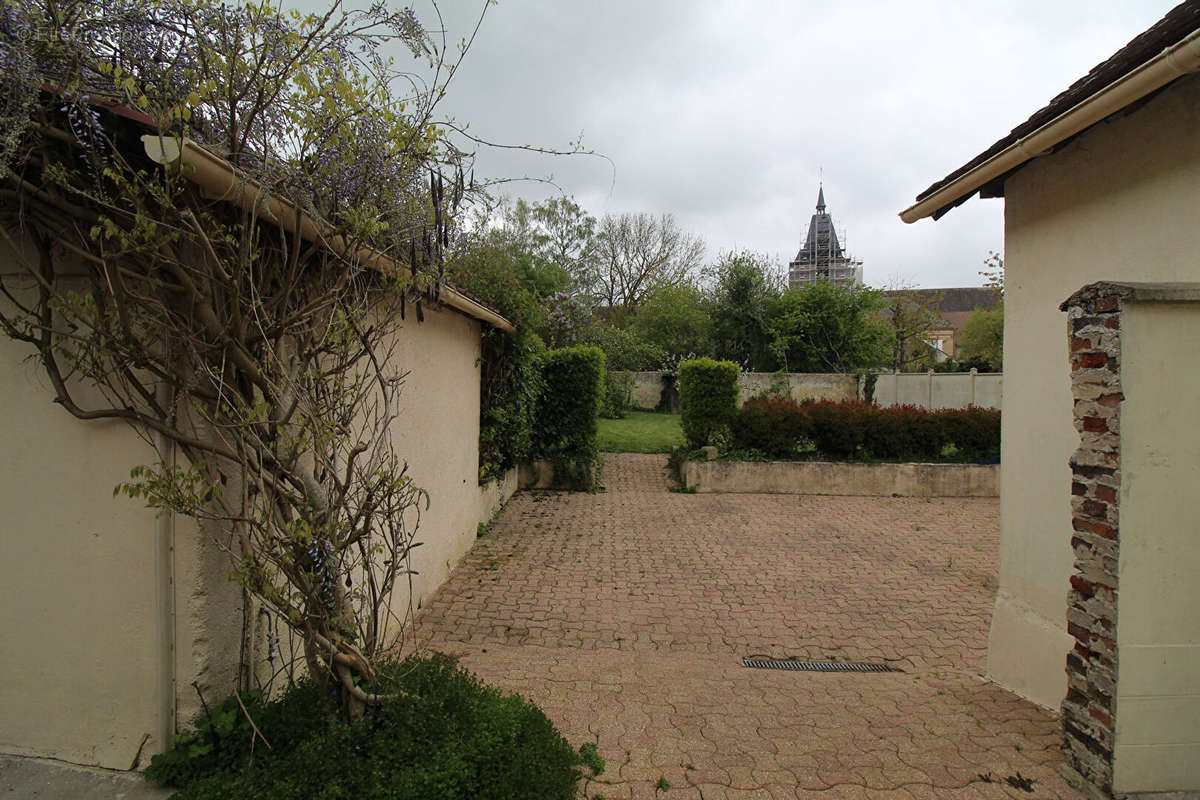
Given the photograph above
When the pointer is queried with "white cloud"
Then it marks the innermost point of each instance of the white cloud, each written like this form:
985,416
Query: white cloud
726,113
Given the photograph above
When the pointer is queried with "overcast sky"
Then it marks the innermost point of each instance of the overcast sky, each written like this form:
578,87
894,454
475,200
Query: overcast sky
728,114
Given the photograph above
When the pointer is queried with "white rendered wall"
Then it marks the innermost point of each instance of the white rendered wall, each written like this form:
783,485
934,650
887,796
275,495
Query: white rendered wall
1118,203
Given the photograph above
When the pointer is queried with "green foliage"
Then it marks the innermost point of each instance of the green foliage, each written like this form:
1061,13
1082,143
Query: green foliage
910,316
618,395
591,758
827,327
510,383
447,736
781,428
747,285
676,319
640,432
572,392
708,395
983,339
623,348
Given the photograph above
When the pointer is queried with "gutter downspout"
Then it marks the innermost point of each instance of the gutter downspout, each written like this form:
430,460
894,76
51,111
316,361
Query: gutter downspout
164,569
220,180
1181,58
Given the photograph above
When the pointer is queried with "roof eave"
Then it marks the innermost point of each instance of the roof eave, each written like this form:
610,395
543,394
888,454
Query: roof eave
219,179
1181,58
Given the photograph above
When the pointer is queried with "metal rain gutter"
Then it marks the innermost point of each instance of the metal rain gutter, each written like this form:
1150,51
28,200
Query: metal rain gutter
220,180
1181,58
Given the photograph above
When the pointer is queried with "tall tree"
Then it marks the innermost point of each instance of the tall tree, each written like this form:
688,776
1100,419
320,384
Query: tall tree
983,338
828,327
745,287
637,253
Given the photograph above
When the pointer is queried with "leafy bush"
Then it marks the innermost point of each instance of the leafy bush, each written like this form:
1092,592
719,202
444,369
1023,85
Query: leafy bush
572,393
837,429
974,432
447,736
708,395
781,428
618,395
771,425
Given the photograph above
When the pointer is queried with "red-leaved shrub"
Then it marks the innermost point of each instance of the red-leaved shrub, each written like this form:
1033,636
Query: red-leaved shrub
782,428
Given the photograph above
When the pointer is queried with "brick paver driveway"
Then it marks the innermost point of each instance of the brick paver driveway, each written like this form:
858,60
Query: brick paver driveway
625,616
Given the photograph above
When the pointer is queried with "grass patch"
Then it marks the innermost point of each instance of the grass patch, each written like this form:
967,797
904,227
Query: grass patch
640,432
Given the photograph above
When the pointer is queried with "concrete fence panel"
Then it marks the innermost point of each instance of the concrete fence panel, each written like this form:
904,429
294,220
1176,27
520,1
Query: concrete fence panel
939,389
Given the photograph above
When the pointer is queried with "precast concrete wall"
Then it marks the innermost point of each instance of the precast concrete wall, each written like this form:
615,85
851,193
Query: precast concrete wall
940,389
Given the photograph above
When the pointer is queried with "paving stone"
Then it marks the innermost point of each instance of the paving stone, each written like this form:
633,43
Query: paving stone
625,616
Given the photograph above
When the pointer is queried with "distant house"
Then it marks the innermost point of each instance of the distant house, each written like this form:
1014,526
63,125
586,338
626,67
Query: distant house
822,256
953,306
1102,184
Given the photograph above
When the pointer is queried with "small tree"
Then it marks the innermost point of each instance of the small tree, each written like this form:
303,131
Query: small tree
983,337
257,343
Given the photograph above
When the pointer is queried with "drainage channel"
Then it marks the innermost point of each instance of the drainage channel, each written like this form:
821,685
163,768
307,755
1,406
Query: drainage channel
817,666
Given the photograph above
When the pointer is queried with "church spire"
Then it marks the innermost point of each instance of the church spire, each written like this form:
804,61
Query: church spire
821,200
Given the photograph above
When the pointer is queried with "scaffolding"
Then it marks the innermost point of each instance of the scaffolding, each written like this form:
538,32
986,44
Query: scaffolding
822,257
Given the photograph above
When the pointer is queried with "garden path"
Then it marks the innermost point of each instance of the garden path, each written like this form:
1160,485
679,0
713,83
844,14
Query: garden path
625,616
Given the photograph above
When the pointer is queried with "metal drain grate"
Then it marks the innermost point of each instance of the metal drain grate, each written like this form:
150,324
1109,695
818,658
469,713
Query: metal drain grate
817,666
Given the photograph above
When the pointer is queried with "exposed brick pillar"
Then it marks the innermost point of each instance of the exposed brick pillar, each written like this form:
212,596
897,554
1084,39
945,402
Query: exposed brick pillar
1089,710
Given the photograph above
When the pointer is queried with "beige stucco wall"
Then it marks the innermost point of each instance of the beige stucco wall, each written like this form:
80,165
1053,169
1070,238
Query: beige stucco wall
78,638
1158,629
437,432
1118,203
80,641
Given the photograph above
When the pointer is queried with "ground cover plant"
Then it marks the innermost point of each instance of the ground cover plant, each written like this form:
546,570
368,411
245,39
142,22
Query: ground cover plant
442,734
640,432
782,428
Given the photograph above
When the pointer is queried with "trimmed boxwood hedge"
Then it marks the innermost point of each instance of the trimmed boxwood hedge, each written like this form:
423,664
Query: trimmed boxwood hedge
708,396
782,428
572,394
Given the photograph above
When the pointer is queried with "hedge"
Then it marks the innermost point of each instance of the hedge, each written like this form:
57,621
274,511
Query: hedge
708,396
572,393
782,428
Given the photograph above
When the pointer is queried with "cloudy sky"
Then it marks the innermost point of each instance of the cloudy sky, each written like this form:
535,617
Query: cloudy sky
728,114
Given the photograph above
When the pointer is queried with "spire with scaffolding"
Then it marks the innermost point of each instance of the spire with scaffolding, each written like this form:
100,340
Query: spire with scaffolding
822,257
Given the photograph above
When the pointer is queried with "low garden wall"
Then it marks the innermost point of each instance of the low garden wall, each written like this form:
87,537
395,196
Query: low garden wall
838,478
494,494
648,386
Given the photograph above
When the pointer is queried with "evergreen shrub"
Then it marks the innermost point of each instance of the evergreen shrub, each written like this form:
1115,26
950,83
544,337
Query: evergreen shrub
572,394
708,395
447,736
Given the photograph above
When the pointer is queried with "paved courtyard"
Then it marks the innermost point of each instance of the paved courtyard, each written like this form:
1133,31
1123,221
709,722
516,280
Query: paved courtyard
625,615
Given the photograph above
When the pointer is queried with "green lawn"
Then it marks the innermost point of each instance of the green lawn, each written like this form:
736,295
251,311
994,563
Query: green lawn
640,432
